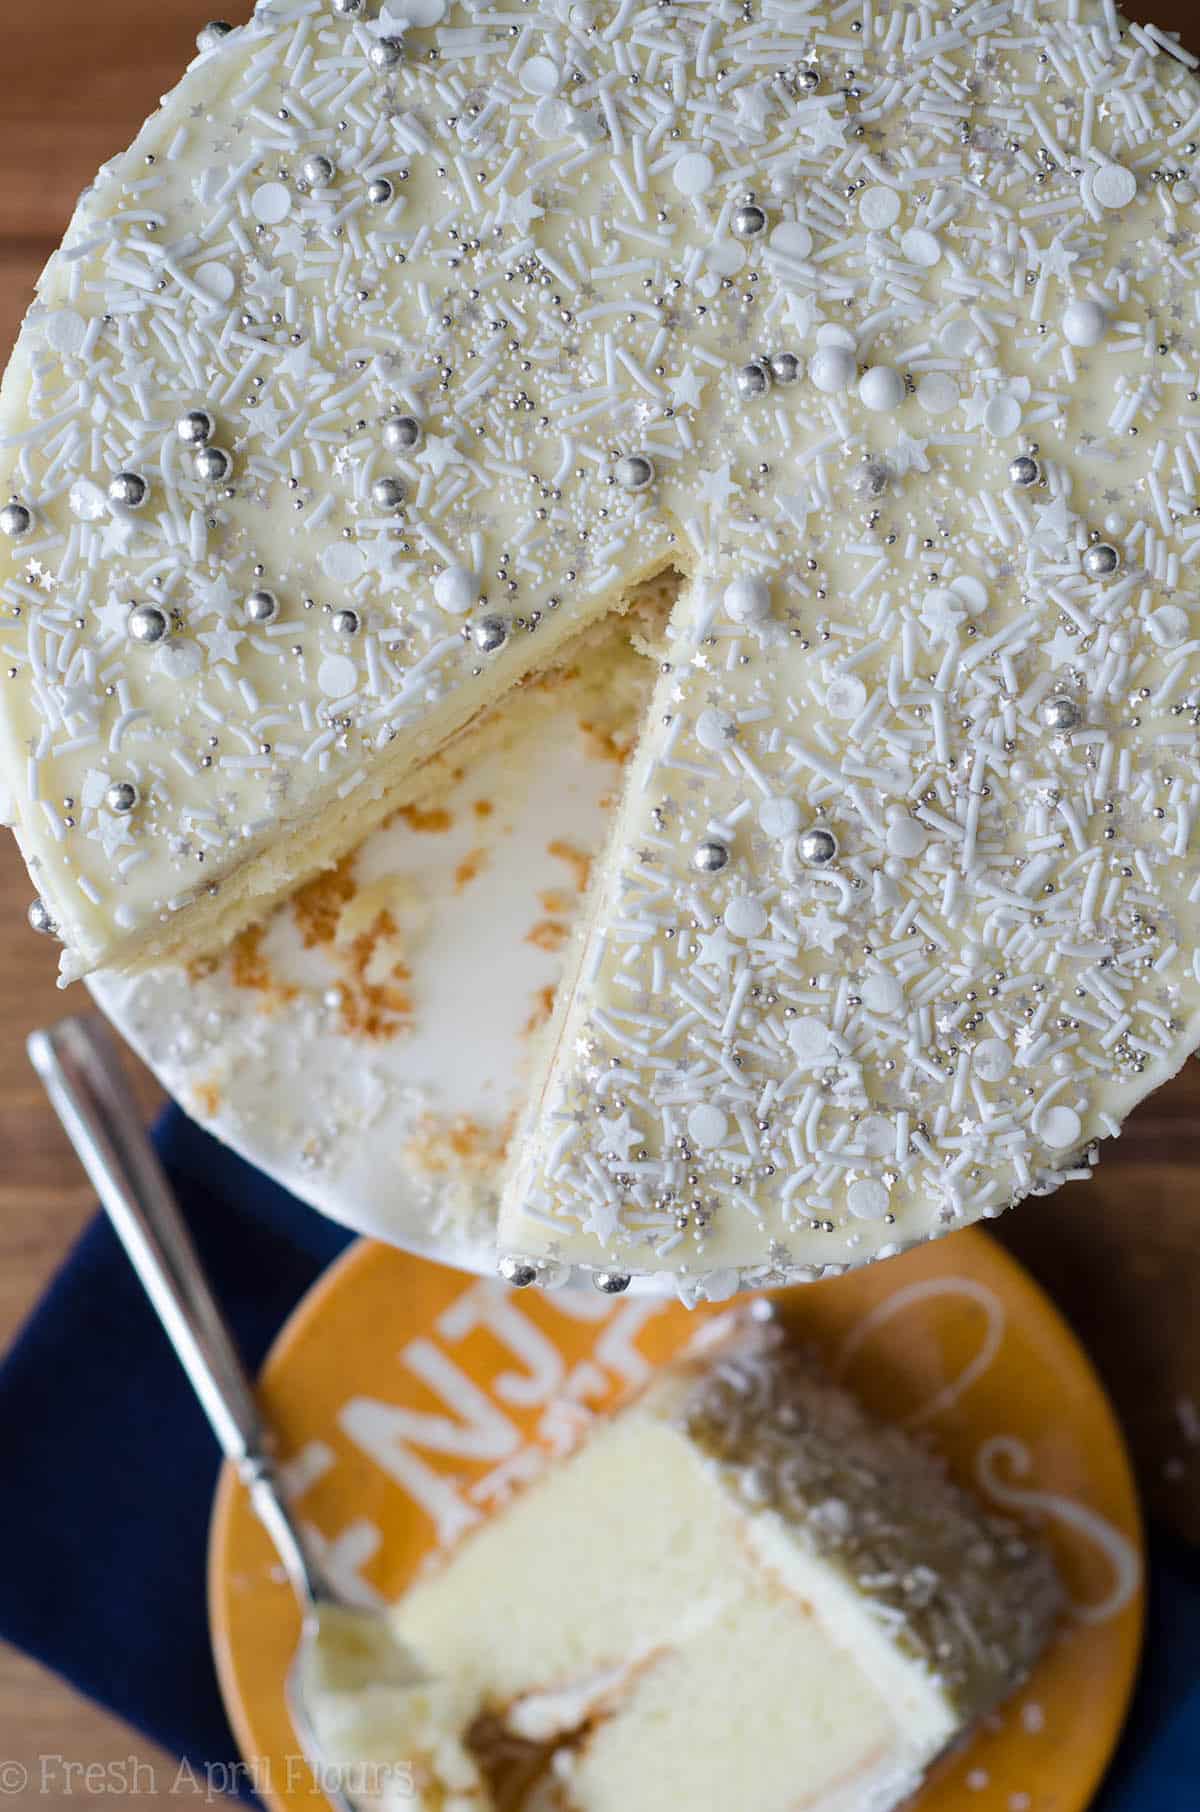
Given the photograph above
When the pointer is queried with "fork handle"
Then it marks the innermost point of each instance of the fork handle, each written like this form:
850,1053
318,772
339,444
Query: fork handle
80,1068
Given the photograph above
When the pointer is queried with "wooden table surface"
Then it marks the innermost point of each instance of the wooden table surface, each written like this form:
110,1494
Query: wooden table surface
1121,1253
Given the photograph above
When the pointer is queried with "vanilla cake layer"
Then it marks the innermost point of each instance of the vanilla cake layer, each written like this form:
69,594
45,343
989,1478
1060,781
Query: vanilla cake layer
736,1592
409,336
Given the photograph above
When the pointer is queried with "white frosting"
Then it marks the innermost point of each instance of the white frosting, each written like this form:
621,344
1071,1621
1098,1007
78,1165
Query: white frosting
789,304
955,762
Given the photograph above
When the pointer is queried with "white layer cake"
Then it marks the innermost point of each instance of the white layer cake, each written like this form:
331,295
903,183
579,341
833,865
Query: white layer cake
410,335
736,1592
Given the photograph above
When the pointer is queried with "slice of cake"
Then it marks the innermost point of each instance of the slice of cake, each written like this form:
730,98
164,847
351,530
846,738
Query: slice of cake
737,1592
407,338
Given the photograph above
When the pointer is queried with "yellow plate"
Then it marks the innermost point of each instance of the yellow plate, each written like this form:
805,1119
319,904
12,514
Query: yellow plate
410,1400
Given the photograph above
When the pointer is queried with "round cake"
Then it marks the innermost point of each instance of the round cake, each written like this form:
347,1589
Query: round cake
408,338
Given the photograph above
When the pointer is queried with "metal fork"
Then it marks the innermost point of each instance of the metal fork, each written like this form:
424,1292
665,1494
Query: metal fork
80,1068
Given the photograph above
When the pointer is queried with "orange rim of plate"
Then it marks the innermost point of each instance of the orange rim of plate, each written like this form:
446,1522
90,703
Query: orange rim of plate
410,1400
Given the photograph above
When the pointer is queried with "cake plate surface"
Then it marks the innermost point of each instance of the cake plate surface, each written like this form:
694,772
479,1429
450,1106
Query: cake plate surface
412,1401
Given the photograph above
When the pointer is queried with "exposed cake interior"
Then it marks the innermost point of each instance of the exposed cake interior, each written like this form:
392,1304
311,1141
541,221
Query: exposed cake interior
289,857
388,1016
736,1592
392,355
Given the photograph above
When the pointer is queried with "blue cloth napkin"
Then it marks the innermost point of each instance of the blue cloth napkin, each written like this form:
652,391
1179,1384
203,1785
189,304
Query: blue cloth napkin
108,1472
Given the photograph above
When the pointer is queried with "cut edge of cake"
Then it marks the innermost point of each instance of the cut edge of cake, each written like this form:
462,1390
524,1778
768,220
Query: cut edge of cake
290,854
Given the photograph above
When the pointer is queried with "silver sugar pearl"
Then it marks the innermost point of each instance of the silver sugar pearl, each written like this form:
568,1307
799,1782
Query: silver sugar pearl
489,633
1060,713
196,428
345,622
710,857
748,221
128,490
40,919
121,797
873,477
147,624
610,1283
818,846
385,53
1024,470
388,494
15,520
517,1272
212,464
1101,560
348,9
210,35
785,367
262,607
753,380
634,472
380,192
317,170
401,433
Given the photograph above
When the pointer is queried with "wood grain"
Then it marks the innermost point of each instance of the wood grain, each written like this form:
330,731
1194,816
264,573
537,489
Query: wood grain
79,79
1121,1254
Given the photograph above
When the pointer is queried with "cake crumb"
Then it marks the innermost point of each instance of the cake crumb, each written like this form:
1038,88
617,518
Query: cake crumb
463,1143
373,1008
604,744
207,1098
470,869
431,820
577,860
548,934
317,906
250,969
540,1016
